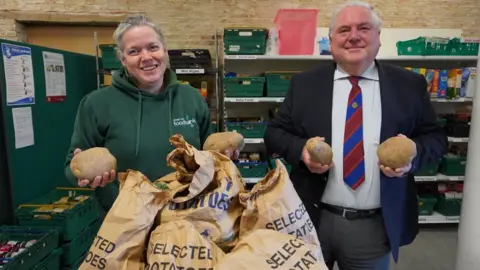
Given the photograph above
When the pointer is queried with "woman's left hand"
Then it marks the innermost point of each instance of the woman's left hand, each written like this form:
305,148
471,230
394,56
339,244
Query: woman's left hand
232,156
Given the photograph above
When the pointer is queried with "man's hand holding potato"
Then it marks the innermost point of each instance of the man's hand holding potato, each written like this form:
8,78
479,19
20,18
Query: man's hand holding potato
317,155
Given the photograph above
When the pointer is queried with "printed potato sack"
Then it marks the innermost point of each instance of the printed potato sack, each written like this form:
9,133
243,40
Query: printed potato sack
268,249
178,245
121,240
396,152
207,196
274,204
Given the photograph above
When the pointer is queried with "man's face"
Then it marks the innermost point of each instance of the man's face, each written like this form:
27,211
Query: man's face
355,40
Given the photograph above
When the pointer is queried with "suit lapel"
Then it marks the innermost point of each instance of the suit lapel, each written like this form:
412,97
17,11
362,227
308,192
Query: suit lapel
324,106
390,110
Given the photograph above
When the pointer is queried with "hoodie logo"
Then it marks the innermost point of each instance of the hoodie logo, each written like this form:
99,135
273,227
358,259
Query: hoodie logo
184,121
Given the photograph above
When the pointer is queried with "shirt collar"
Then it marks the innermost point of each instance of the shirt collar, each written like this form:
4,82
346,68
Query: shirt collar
371,73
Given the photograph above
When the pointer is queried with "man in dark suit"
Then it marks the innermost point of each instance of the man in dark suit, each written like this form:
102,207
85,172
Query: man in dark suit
363,211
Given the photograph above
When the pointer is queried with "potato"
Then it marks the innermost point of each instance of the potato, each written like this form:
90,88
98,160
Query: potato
92,162
396,152
222,141
319,151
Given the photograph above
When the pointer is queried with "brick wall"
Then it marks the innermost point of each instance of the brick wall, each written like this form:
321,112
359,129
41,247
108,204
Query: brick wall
190,23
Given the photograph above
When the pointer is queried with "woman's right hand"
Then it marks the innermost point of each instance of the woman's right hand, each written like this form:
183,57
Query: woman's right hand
100,180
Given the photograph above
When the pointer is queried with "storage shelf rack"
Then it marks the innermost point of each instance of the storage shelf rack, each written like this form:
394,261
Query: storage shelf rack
258,106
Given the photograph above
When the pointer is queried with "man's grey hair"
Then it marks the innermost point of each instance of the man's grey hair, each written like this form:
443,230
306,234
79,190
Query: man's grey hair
375,17
134,21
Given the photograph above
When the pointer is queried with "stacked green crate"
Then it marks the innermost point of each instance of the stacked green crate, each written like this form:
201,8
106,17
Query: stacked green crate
74,211
426,204
430,169
251,130
247,40
39,244
437,46
449,206
109,56
278,82
244,86
253,169
453,165
51,262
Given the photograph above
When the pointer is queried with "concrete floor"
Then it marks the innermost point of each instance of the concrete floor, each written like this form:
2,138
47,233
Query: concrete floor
434,249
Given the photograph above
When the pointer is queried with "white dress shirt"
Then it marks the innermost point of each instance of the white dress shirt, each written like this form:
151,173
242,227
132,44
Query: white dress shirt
337,192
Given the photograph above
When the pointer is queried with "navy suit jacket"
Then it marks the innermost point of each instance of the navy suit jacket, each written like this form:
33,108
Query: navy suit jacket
406,108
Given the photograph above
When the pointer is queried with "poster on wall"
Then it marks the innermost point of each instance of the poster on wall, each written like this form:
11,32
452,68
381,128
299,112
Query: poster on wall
23,127
17,62
55,83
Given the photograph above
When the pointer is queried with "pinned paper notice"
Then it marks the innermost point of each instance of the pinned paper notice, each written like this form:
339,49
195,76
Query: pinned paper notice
23,126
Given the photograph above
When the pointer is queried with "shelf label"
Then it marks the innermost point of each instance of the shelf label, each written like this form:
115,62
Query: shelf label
422,218
190,71
253,140
425,178
246,100
242,57
456,178
452,218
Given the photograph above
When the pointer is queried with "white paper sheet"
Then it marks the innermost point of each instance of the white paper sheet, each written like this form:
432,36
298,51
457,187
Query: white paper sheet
18,68
23,126
54,66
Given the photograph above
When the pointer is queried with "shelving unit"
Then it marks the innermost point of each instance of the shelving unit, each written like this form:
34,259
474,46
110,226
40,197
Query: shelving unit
255,65
181,73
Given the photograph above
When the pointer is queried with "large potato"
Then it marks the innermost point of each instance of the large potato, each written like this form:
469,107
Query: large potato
222,141
319,151
396,152
92,162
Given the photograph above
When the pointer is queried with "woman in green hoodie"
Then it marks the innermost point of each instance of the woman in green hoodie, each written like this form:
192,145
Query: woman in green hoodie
135,116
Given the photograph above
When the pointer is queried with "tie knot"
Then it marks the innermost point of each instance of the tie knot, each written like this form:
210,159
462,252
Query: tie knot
354,80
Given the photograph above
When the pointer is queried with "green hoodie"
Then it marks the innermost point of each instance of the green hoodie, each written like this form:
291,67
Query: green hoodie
135,126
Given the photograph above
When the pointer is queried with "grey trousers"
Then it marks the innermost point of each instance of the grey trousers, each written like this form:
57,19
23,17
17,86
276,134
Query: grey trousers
360,244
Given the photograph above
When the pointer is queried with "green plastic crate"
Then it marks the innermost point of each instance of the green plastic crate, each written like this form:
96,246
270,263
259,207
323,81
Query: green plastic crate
252,169
46,241
70,221
273,164
251,130
248,41
457,46
449,207
277,83
429,169
426,205
52,262
247,86
424,46
453,166
77,263
109,56
80,244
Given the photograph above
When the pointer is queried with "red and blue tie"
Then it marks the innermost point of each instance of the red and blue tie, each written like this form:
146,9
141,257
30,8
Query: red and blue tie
353,155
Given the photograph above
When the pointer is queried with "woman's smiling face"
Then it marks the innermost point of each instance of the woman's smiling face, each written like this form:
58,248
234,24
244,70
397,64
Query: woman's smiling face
144,56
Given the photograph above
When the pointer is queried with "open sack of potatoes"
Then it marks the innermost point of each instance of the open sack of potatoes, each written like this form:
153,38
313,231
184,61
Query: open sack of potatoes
207,184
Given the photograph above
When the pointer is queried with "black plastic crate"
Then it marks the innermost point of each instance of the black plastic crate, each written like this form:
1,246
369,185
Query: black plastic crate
190,58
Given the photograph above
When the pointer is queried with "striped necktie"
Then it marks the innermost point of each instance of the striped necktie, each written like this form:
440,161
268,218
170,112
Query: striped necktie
353,155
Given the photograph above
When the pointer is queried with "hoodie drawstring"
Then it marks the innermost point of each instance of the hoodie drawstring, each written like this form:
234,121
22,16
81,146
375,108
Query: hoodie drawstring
139,122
